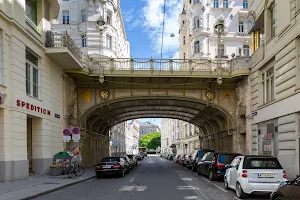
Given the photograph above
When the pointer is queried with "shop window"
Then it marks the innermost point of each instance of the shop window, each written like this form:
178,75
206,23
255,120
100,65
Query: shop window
31,11
32,75
267,77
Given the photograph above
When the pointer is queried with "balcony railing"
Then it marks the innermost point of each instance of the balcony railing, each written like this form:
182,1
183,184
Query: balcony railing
242,34
56,39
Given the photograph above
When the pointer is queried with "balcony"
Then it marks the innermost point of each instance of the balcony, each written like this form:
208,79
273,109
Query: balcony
63,50
243,34
258,55
200,31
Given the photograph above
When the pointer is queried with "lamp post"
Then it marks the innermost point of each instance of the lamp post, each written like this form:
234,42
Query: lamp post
219,30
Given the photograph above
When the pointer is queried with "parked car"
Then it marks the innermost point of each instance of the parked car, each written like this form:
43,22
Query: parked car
112,166
171,156
138,157
131,164
196,156
254,174
181,161
213,164
133,159
178,158
288,190
186,158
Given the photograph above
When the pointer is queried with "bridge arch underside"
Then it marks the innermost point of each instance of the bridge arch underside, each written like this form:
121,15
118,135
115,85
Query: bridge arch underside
215,124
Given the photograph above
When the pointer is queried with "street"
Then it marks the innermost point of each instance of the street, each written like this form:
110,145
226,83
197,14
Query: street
153,178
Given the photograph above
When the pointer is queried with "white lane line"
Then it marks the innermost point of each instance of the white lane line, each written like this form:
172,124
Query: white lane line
131,179
206,180
220,188
237,198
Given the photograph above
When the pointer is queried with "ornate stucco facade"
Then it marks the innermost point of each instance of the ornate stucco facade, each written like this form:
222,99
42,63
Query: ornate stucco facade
275,81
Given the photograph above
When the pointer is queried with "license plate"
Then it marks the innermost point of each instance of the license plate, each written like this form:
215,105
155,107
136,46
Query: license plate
106,167
266,175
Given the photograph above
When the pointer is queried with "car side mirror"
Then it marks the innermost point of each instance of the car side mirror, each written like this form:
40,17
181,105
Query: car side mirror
228,166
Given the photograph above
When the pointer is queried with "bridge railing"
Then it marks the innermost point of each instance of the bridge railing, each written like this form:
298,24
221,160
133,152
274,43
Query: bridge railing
130,64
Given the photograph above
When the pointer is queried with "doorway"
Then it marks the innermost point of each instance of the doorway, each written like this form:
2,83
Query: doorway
29,144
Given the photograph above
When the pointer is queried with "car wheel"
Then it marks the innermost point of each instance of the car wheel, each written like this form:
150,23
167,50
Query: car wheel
239,192
226,184
211,175
279,198
198,171
194,169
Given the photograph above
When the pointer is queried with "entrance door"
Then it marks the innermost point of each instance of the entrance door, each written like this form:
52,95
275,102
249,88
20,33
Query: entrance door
29,143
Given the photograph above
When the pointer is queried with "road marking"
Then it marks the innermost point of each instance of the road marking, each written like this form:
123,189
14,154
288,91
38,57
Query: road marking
131,179
237,198
220,188
206,180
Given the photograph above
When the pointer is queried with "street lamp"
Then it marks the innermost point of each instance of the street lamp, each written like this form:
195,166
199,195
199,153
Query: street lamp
219,29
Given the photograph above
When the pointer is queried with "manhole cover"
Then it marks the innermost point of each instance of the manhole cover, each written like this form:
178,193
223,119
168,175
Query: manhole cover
50,183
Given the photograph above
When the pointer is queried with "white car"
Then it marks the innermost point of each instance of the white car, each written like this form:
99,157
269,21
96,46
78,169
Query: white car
253,174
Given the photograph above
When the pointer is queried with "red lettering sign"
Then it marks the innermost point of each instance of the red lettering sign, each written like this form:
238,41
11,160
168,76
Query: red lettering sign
33,107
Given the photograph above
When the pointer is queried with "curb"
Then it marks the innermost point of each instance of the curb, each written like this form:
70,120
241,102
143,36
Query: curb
55,189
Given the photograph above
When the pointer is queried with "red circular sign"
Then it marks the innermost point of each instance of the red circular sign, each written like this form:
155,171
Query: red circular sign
67,132
76,130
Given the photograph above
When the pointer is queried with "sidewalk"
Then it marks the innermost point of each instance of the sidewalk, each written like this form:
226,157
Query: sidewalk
39,185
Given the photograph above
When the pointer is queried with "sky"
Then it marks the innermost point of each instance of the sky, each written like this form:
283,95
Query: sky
143,20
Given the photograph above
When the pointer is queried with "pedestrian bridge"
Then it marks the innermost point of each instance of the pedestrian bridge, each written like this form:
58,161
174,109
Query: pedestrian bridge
199,91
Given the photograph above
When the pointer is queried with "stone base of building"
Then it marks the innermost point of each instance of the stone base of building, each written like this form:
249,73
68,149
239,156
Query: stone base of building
13,170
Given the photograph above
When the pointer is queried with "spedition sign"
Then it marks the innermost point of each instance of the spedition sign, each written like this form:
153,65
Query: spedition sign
33,107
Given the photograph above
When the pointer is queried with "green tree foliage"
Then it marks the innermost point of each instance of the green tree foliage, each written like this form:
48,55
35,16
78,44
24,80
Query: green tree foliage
150,140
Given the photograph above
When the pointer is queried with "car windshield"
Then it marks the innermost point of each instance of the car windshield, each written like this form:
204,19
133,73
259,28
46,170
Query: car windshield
226,158
261,163
110,159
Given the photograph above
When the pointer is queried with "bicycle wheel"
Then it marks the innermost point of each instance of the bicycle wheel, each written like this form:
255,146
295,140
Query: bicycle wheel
70,174
79,171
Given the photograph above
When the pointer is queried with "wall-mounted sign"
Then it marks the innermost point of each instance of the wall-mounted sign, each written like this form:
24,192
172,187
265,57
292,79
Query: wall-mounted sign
104,94
210,95
32,107
57,116
254,113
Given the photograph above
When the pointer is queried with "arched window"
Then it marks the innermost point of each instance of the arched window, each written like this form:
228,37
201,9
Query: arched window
196,47
246,50
196,22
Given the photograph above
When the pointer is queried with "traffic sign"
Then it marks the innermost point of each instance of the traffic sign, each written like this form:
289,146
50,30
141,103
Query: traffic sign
76,130
66,132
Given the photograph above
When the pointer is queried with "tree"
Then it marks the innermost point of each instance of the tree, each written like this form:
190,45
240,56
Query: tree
150,140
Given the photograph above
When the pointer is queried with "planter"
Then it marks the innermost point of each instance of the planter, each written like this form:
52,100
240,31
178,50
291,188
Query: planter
56,171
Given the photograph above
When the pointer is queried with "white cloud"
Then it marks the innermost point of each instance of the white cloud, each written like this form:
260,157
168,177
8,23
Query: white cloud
152,15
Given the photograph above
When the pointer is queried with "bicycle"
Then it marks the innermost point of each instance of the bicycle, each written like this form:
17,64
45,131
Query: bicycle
77,170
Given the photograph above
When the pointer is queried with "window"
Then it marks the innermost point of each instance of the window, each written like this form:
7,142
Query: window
268,85
108,18
196,47
183,55
239,51
245,4
66,17
108,42
221,50
241,26
272,15
246,50
250,25
183,39
216,3
196,22
225,3
31,10
83,40
32,75
83,15
196,1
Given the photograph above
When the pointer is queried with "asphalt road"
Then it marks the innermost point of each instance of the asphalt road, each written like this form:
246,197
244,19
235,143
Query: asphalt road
153,179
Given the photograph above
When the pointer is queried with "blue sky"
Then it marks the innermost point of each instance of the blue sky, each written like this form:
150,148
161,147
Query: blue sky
143,21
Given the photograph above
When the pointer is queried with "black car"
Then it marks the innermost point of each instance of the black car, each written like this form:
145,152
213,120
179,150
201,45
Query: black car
213,164
289,190
195,157
112,166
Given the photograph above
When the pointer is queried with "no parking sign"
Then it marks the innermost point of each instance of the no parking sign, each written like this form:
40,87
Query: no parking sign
67,135
76,134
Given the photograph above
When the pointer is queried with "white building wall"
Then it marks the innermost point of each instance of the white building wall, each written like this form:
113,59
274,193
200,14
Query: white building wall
132,136
95,41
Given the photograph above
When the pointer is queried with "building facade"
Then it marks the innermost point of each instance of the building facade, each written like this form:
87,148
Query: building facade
117,140
178,136
132,128
79,18
34,101
275,81
148,127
